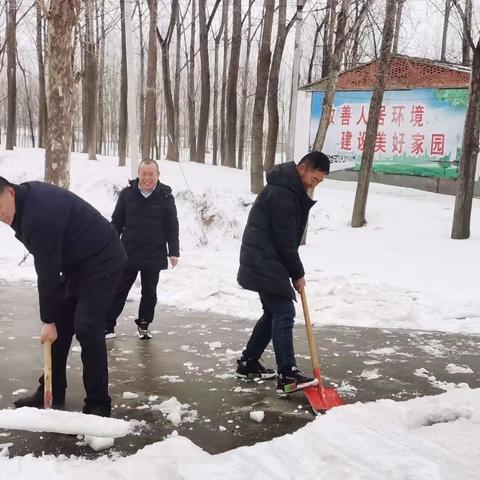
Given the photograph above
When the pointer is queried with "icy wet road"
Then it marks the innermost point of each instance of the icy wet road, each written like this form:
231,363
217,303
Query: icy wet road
192,358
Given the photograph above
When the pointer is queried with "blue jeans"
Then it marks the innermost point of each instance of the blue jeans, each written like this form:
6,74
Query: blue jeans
275,324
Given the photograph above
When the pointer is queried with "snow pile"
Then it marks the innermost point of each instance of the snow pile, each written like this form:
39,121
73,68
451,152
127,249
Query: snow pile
430,437
58,421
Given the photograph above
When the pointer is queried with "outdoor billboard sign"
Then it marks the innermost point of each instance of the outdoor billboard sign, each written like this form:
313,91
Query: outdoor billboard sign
419,131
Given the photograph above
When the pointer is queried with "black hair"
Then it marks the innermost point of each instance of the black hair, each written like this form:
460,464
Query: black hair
4,184
149,161
316,161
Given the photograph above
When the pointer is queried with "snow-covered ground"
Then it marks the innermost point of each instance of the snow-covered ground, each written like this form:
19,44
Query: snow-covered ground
402,270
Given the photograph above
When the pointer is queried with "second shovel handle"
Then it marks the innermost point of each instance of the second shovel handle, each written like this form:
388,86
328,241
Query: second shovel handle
47,362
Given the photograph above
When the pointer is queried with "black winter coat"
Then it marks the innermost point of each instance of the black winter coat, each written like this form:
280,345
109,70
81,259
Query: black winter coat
269,253
147,225
67,236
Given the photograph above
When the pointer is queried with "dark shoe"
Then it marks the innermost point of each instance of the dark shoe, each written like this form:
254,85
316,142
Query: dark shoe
36,400
291,380
99,410
143,331
253,369
110,333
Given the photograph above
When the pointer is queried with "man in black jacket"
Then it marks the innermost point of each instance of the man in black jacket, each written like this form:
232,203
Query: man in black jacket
146,219
270,263
78,259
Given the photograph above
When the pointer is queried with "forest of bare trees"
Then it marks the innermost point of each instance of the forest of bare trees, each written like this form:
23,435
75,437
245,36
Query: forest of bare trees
214,79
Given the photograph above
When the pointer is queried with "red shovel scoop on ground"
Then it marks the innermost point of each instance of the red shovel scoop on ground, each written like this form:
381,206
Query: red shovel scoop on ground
320,397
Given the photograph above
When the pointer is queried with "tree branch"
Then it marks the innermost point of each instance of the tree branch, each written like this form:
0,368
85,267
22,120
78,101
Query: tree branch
212,15
248,10
25,14
467,29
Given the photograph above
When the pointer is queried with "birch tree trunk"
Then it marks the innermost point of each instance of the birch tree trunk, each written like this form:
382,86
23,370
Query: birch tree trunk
62,19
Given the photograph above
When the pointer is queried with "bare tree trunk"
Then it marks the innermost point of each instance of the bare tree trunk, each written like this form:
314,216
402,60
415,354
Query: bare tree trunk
263,66
243,100
11,39
29,108
358,217
172,150
446,19
83,67
272,100
160,132
292,114
470,143
215,126
176,88
61,85
101,81
141,106
205,87
224,91
192,131
123,119
340,42
356,38
148,136
466,59
215,105
328,31
318,29
231,101
398,24
42,97
90,80
172,144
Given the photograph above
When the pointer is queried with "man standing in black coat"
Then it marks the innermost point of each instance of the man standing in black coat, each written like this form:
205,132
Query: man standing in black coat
270,263
146,219
78,259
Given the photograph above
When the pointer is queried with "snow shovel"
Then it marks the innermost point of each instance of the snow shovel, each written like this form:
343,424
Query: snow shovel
320,397
47,375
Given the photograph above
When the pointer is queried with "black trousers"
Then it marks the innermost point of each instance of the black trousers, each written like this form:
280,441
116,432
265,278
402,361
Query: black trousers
84,314
148,301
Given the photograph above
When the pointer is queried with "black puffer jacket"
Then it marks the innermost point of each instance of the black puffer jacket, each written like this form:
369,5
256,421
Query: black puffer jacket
147,226
269,253
65,235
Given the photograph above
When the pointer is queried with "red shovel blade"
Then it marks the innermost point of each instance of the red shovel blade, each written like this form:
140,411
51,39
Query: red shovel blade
47,399
323,398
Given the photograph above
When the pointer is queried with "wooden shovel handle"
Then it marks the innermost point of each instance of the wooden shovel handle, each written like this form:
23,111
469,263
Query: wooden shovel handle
311,339
47,374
